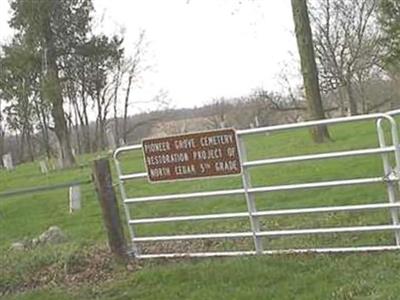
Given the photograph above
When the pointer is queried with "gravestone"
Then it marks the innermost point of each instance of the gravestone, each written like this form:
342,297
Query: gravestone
8,162
43,167
74,198
111,140
121,142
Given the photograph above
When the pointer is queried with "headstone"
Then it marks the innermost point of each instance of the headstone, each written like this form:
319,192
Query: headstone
74,198
111,140
183,128
53,235
8,162
43,167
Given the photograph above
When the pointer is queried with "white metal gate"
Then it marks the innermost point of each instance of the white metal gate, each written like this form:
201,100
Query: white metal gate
390,178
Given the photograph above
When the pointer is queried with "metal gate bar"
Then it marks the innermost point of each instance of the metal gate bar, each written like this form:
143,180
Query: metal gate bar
278,212
274,233
254,190
390,178
273,252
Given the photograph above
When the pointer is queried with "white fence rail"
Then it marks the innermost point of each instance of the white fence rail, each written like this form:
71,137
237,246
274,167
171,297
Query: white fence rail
390,178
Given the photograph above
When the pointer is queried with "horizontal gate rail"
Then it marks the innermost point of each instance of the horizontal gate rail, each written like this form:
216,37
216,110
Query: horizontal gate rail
327,209
133,176
319,156
275,188
127,148
190,218
315,123
329,230
222,235
272,252
321,184
393,112
274,233
185,196
278,212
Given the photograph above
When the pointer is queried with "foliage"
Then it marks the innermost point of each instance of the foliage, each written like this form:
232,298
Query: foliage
55,59
346,39
390,21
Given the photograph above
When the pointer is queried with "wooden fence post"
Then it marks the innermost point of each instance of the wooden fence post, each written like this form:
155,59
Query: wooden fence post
109,206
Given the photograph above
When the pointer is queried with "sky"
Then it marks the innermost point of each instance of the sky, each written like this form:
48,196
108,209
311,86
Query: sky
199,50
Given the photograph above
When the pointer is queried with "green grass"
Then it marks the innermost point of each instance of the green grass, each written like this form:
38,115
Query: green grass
351,276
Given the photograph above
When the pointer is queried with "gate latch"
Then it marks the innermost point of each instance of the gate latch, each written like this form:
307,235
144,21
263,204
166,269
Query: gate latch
392,176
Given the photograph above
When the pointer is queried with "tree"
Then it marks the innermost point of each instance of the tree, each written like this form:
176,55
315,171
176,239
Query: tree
19,83
347,45
220,108
101,55
53,29
389,18
309,68
134,67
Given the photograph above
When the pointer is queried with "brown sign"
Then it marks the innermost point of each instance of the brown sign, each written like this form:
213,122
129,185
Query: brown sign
201,154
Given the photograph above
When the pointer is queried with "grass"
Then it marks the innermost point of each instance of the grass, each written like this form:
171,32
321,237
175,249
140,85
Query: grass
351,276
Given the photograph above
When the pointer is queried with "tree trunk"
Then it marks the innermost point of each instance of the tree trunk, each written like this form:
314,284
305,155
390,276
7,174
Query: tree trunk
85,127
116,123
78,121
2,135
309,68
31,151
100,122
46,135
54,95
41,116
350,97
126,105
342,102
21,146
61,131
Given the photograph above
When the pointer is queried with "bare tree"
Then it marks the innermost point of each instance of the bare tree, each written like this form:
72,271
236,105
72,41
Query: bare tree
309,68
117,84
135,67
220,109
347,44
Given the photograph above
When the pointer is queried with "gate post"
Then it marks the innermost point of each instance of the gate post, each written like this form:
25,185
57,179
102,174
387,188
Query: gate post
109,206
